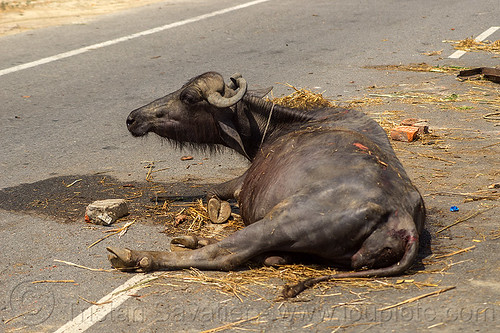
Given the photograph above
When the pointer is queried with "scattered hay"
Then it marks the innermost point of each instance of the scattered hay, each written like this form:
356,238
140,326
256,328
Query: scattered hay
120,231
420,67
181,218
474,214
303,99
387,119
54,281
230,325
455,252
487,96
473,196
413,299
197,215
365,101
84,267
237,283
470,44
495,234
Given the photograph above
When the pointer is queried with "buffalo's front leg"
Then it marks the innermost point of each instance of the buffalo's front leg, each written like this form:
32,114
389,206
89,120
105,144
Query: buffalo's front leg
218,208
219,211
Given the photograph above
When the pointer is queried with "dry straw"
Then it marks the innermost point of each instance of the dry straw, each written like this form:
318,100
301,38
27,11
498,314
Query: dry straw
470,44
304,99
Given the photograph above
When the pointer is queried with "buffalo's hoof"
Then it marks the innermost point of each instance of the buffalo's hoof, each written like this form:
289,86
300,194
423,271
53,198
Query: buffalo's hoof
184,243
275,261
218,211
128,260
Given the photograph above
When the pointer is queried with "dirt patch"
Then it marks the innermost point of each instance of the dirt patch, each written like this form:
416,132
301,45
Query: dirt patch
18,16
65,198
179,207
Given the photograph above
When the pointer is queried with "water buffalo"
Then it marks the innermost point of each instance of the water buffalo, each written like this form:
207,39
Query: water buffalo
323,184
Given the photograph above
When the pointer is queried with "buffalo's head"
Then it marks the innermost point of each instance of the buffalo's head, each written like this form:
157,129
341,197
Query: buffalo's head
198,113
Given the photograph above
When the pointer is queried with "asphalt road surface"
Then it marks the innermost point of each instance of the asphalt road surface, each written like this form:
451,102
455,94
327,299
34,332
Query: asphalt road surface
65,93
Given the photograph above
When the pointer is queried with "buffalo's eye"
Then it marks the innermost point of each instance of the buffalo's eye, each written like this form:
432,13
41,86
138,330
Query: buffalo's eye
190,96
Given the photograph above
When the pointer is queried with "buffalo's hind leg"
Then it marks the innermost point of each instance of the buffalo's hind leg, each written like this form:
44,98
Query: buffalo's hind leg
224,255
302,224
264,236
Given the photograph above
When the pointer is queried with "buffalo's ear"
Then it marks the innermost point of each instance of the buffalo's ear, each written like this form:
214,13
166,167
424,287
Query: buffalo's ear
190,96
260,93
230,135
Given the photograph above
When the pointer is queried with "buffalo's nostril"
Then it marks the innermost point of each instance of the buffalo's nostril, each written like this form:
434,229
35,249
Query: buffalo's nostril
130,121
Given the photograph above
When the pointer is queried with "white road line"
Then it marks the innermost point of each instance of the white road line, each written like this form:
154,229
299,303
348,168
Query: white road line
126,38
109,302
480,38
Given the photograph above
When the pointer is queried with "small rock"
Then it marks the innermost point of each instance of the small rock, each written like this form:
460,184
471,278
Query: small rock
186,158
404,133
106,212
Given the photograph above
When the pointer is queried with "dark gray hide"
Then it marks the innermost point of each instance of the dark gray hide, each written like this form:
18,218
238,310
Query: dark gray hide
324,183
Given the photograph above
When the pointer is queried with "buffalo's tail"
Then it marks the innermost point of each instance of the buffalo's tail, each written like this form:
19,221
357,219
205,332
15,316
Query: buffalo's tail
395,269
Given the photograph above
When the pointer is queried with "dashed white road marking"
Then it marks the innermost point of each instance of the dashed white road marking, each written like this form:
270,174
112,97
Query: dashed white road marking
480,38
126,38
95,313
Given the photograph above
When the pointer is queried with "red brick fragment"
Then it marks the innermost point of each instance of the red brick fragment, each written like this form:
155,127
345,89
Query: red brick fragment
421,124
404,133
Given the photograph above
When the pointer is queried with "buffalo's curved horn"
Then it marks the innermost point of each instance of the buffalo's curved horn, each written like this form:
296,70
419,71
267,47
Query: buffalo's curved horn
234,84
216,99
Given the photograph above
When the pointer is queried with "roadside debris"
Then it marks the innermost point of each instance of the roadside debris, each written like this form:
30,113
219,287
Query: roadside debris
454,209
464,219
456,252
420,67
53,281
421,124
120,231
106,212
488,73
471,44
304,99
413,299
404,133
410,130
433,53
84,267
73,183
474,196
